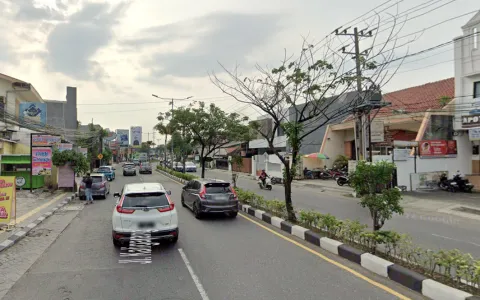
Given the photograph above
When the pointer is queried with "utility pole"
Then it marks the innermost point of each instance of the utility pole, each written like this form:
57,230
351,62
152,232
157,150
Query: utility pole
359,116
171,139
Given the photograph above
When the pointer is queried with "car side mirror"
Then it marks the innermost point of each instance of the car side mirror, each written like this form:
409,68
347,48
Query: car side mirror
116,195
169,192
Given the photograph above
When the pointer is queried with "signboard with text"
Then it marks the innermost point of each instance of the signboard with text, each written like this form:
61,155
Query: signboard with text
471,121
45,140
474,134
377,131
438,148
42,161
64,146
7,199
33,112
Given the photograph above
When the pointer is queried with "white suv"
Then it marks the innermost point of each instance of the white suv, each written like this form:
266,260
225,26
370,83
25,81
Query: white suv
144,207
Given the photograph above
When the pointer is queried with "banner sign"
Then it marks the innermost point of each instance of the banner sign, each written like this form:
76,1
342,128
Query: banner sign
136,135
45,140
378,131
64,146
7,199
66,176
33,112
122,137
471,121
42,161
438,148
474,134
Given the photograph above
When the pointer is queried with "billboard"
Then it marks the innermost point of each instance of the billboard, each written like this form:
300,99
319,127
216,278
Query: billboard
438,148
64,146
45,140
33,112
122,137
136,133
42,161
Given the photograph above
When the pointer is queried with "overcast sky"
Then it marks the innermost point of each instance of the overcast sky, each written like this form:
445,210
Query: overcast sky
123,51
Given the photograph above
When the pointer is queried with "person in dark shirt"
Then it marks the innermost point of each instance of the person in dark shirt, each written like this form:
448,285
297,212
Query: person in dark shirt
88,188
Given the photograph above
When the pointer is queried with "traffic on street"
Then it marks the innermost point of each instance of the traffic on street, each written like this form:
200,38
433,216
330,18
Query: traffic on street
215,257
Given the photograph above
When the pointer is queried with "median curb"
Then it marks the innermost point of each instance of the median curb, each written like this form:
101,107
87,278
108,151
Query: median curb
397,273
16,237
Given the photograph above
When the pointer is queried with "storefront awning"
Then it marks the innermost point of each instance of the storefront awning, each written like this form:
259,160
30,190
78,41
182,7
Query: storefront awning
15,160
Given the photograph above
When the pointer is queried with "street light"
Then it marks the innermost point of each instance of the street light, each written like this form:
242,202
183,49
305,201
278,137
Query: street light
173,99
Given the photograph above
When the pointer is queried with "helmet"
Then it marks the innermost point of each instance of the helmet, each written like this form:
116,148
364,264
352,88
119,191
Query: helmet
263,170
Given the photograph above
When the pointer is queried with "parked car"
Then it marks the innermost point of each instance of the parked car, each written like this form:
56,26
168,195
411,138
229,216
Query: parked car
145,168
204,196
100,186
144,207
129,169
109,172
178,166
190,167
136,162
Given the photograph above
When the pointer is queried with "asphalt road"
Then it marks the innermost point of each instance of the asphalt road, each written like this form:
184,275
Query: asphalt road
428,229
215,258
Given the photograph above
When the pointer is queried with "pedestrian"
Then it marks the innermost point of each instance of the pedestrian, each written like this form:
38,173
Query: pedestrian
88,188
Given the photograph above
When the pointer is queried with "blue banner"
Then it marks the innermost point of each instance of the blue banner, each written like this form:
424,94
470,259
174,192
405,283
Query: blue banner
33,113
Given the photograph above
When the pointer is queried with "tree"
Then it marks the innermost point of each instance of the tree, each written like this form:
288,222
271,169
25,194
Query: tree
76,159
183,146
164,129
107,155
371,182
209,127
309,91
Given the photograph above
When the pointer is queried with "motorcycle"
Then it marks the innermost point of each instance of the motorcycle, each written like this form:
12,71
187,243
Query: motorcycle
267,185
455,184
342,180
463,184
277,180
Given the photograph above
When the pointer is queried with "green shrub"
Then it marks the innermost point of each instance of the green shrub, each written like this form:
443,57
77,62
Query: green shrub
177,174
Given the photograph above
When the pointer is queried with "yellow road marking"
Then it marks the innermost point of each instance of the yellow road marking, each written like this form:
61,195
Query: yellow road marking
357,274
333,262
35,210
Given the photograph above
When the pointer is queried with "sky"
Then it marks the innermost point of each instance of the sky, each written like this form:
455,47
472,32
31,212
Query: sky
119,53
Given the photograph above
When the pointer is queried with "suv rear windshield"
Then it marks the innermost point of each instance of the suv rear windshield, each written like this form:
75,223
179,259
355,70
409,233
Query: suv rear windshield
145,200
188,163
128,166
96,179
218,188
104,169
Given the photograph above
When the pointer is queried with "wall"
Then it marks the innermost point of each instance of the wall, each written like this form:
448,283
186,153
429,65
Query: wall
334,146
246,166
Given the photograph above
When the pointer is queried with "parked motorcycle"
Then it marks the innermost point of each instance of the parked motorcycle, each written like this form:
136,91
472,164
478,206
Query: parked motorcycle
277,180
463,184
267,185
342,180
455,184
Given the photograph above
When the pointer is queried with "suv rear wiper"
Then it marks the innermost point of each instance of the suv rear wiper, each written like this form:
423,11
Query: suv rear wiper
140,206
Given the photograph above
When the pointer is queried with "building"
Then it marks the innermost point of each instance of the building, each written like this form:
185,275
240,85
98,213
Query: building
63,114
467,96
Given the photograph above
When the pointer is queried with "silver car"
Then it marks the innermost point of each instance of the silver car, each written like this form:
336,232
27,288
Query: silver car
100,186
129,169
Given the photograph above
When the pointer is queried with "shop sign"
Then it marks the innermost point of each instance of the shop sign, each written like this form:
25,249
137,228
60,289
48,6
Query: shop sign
45,140
474,134
42,161
7,199
377,131
471,121
438,148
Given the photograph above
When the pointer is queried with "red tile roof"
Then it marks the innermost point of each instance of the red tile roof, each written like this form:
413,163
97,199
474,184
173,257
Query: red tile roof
418,98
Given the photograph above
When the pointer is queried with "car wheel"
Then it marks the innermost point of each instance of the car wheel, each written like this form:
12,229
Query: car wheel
124,174
197,212
174,240
183,202
116,243
233,214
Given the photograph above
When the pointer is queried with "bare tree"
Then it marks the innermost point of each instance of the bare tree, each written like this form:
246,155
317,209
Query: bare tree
309,91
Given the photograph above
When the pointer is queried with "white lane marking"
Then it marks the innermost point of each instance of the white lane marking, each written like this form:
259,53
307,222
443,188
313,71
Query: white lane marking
449,238
197,282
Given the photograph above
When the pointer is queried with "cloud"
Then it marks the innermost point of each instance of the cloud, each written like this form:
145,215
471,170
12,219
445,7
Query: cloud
27,11
72,45
217,37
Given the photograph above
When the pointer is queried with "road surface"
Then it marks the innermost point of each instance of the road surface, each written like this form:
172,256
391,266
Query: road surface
215,258
428,229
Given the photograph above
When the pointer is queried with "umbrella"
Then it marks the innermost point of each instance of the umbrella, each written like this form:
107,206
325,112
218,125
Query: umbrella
316,155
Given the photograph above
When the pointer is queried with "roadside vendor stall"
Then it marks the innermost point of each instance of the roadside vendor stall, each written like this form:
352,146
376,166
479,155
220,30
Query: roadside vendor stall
18,165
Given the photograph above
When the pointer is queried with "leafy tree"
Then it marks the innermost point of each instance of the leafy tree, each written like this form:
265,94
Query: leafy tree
164,129
182,146
107,155
76,159
341,161
209,127
371,182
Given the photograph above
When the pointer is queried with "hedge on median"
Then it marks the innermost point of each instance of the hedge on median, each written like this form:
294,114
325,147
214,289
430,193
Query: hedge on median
177,174
452,267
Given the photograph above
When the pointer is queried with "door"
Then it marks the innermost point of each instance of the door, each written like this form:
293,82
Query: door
193,192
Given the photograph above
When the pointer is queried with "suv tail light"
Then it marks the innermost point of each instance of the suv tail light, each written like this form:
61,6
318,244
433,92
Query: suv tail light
82,185
102,185
234,194
170,207
203,193
122,210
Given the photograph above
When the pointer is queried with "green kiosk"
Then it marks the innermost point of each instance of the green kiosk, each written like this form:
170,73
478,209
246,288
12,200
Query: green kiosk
18,165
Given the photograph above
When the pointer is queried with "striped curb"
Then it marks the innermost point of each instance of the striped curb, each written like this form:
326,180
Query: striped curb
412,280
17,236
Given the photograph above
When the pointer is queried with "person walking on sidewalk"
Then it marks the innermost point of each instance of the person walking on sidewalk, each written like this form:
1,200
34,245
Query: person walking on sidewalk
88,188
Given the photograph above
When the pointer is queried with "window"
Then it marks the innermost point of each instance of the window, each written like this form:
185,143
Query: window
475,38
218,188
196,185
476,89
97,179
145,200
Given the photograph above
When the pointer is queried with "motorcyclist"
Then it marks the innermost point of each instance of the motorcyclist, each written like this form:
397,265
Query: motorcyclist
263,176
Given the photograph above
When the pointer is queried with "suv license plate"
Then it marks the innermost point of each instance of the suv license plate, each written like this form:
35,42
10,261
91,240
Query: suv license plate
146,225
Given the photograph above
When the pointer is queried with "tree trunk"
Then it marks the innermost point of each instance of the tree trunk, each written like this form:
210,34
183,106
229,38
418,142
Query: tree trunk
184,158
288,195
376,226
202,160
165,152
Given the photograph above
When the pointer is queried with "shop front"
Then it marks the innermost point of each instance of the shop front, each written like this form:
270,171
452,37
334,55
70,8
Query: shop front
18,165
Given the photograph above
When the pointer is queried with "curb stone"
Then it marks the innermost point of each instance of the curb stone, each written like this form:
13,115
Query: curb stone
14,238
408,278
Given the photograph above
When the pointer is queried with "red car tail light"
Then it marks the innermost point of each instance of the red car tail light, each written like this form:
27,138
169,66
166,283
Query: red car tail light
233,192
170,207
203,193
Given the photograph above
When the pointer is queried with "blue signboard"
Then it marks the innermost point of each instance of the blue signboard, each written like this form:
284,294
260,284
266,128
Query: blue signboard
33,112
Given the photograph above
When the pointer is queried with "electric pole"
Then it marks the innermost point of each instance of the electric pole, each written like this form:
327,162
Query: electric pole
359,116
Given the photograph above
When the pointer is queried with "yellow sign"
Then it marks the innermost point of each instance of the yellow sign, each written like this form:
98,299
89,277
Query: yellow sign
7,199
100,156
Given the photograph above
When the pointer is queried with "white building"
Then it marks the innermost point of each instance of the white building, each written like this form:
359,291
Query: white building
467,96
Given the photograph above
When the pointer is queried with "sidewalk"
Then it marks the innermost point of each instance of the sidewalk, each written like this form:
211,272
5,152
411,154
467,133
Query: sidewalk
29,207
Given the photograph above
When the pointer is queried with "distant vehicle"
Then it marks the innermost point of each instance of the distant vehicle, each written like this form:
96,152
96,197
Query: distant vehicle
144,207
129,169
136,162
109,172
178,166
145,168
190,167
204,196
100,186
